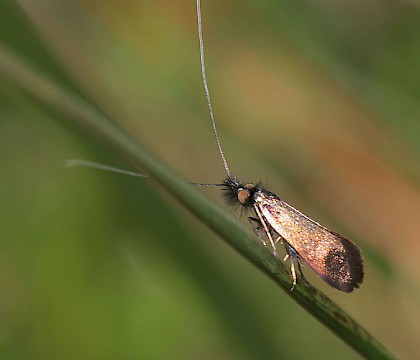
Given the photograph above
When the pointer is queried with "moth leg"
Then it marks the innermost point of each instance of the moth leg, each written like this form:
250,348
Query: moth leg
293,255
267,230
290,252
279,240
300,269
256,228
293,272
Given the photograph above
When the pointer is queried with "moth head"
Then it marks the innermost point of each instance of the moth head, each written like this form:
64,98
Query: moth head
235,192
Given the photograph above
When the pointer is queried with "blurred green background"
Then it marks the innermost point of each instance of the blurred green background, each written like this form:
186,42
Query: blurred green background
321,99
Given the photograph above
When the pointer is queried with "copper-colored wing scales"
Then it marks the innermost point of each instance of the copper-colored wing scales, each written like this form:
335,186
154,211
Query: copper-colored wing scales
333,257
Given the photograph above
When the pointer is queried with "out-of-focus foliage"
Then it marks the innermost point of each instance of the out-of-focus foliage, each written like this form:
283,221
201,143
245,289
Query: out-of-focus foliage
320,99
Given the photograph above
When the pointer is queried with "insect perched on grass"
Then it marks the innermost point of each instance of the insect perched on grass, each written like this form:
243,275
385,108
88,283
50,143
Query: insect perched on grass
333,257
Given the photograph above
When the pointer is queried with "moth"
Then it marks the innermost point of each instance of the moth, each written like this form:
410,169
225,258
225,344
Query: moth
336,259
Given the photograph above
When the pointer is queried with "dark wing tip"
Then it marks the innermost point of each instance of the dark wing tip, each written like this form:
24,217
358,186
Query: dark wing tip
344,267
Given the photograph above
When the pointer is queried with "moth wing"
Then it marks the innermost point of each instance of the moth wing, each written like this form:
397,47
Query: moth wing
332,256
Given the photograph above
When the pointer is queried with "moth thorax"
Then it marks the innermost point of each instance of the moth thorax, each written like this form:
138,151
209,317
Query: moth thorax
245,193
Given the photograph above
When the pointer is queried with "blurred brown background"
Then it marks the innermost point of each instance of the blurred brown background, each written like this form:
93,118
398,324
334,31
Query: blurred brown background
320,99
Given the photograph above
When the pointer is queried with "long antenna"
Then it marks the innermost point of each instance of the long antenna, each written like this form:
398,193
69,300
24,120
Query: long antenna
91,164
206,89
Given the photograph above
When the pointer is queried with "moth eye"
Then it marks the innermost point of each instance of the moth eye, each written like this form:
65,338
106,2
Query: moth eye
243,196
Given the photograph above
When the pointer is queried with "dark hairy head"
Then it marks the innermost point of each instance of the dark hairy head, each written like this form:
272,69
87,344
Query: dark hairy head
235,192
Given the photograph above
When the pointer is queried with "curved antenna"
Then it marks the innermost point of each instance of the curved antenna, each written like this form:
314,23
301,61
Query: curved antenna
206,89
91,164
